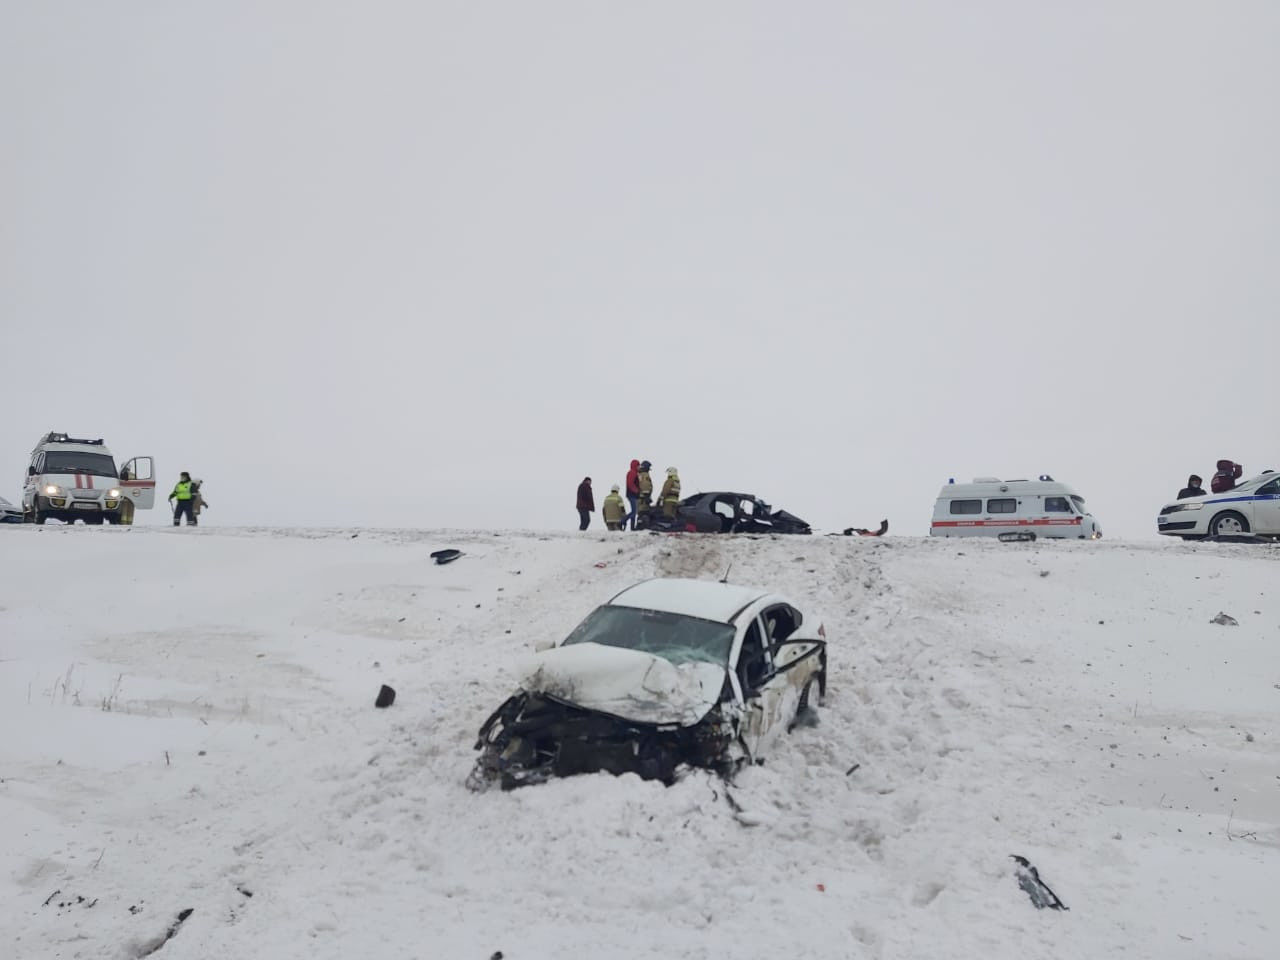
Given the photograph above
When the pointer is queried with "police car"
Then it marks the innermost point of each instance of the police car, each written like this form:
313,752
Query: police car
70,479
1253,507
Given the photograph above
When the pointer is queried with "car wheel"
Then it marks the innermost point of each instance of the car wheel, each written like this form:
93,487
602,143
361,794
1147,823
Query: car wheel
1228,524
37,515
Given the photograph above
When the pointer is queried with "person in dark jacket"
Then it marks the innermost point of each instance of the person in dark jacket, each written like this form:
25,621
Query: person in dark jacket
1226,477
586,504
1192,489
633,493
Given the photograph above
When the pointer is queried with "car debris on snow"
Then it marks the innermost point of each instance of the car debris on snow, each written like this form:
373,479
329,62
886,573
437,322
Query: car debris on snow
863,532
442,557
386,697
1225,620
1035,888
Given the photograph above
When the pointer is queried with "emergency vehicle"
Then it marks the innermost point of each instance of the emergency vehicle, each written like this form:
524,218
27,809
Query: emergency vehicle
1249,508
70,479
990,507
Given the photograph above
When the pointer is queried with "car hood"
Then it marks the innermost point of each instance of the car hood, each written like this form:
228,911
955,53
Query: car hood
625,683
787,521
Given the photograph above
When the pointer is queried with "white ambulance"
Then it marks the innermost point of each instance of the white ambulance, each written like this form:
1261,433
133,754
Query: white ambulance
1016,509
70,479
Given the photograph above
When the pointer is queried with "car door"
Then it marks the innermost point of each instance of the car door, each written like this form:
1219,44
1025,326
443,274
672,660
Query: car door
755,674
771,693
35,480
1266,509
138,482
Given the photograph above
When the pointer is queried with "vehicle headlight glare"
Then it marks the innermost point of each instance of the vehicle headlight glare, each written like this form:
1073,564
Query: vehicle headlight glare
113,494
51,491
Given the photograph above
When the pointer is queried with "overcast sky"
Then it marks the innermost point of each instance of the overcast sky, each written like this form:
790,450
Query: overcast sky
429,264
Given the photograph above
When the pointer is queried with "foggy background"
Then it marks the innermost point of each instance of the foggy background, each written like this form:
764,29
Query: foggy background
429,264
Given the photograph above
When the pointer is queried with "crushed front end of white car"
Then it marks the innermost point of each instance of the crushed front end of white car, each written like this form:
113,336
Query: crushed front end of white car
637,688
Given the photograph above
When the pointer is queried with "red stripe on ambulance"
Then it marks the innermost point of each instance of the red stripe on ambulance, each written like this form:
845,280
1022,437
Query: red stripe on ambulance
1072,522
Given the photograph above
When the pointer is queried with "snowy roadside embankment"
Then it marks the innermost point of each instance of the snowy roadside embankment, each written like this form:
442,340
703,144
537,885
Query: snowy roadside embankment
189,723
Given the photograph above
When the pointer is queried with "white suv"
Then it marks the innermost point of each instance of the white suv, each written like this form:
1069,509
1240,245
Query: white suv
70,480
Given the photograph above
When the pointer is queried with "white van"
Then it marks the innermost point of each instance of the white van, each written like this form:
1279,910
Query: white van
70,480
989,507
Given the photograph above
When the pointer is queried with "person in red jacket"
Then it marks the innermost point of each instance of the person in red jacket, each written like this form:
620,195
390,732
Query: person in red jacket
586,504
633,494
1226,477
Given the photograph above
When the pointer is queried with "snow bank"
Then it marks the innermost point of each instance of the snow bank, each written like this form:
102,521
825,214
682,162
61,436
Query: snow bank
189,723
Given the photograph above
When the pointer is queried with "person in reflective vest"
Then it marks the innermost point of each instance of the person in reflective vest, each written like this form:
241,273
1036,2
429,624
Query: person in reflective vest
670,496
644,491
613,509
182,493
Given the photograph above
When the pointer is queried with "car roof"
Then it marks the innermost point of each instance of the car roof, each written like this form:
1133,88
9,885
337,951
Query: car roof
705,599
1022,488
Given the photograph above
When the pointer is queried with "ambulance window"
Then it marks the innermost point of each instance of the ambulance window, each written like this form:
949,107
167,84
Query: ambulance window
1056,505
966,506
1002,505
1078,501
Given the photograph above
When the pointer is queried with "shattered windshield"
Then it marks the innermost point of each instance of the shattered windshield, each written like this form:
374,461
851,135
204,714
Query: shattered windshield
67,461
671,636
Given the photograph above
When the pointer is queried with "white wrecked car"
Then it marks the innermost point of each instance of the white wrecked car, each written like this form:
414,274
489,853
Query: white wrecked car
668,672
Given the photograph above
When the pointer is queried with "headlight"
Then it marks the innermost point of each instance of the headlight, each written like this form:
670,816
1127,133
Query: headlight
52,491
1193,506
113,494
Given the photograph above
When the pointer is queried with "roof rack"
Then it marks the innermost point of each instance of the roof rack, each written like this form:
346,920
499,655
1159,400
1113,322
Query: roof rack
64,438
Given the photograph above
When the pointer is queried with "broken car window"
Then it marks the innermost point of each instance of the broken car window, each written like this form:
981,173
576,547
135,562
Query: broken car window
671,636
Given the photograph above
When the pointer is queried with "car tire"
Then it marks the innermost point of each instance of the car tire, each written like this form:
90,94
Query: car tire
1228,524
37,515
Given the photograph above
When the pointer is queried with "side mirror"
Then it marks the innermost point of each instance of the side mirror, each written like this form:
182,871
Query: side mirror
31,471
542,644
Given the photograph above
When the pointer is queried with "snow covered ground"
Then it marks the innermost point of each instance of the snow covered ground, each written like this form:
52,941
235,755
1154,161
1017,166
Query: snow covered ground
188,723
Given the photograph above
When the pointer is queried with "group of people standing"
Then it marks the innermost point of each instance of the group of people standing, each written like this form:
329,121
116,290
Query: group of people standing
639,499
1223,480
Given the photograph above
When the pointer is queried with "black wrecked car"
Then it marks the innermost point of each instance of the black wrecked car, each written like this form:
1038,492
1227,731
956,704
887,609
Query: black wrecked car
724,512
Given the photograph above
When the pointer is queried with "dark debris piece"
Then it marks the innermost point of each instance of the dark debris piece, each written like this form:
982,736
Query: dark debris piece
1035,888
386,697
